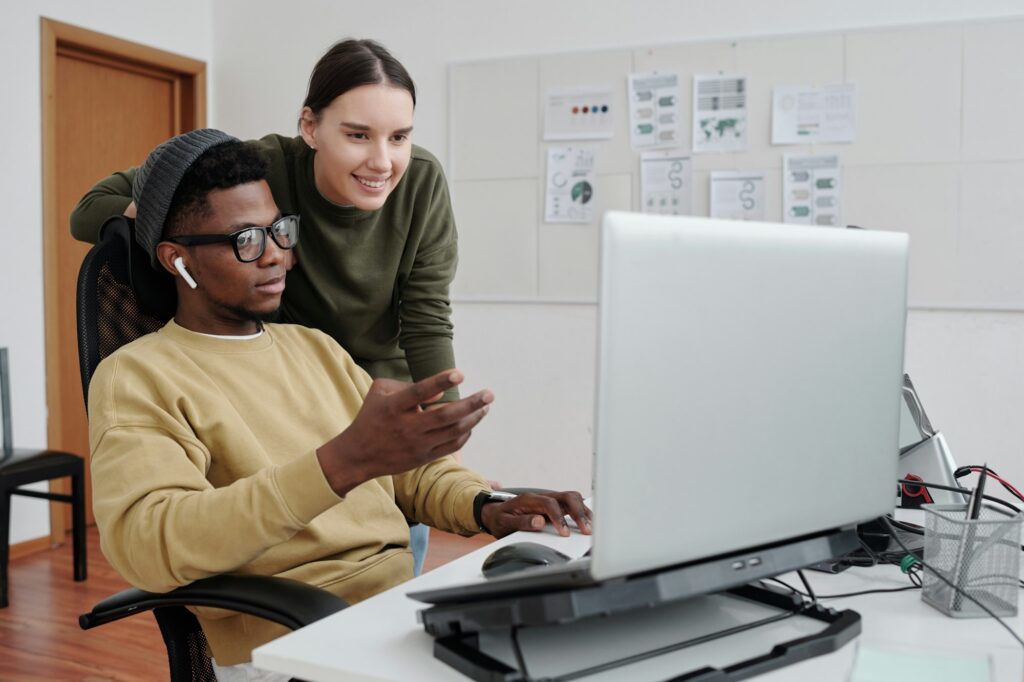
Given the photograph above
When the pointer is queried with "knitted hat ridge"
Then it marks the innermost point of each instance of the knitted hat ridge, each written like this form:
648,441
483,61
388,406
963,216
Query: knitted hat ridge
158,178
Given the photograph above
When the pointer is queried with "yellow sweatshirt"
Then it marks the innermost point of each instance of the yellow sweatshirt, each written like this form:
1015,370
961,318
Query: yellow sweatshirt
204,462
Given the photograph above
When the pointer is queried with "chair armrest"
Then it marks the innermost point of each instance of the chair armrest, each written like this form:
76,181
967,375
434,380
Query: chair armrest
280,600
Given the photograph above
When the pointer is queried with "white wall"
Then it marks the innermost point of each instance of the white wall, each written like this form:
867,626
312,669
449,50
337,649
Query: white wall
183,27
266,48
539,358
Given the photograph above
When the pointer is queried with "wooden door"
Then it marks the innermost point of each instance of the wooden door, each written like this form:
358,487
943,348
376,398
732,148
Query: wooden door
106,104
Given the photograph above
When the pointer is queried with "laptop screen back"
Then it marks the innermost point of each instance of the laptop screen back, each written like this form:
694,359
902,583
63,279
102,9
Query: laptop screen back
749,382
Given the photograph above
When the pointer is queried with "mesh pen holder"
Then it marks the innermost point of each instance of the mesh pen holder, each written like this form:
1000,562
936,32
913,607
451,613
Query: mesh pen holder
979,556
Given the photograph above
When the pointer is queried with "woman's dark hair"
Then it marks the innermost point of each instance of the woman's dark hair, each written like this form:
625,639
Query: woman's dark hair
350,64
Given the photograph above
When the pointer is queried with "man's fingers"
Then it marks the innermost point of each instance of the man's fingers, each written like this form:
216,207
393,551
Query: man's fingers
463,426
572,504
553,510
385,387
514,522
547,507
444,416
428,389
448,447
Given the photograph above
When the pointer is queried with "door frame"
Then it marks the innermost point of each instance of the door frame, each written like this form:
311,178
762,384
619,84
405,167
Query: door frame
190,113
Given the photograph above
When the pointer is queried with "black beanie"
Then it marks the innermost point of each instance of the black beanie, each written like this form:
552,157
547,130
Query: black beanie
158,178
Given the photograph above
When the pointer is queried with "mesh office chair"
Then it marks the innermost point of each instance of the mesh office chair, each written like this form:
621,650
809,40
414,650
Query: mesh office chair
120,298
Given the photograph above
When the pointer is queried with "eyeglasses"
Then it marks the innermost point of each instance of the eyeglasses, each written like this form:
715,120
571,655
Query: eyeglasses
249,243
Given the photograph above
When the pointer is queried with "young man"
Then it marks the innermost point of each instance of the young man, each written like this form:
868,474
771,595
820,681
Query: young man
226,444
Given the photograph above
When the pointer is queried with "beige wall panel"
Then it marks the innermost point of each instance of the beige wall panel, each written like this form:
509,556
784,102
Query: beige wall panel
539,360
772,194
921,201
569,252
991,245
497,221
494,120
908,95
701,205
930,100
993,91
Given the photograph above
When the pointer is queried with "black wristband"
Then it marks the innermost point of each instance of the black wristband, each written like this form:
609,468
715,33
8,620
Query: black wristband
483,498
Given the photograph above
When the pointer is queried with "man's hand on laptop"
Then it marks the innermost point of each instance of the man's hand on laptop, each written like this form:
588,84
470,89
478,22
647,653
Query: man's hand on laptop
393,432
533,511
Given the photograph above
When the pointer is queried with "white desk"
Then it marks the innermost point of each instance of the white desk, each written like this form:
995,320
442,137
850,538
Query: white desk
379,639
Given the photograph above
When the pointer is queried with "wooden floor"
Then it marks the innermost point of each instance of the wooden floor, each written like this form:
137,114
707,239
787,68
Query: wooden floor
39,634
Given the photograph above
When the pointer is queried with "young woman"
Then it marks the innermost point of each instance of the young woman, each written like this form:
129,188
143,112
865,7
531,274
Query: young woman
378,246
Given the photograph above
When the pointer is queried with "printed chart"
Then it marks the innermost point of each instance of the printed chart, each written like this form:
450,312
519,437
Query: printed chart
810,187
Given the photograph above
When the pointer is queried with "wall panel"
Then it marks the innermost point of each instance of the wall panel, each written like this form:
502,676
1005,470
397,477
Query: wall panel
938,152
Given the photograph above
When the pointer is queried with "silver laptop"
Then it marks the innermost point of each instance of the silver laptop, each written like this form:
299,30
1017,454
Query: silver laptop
748,395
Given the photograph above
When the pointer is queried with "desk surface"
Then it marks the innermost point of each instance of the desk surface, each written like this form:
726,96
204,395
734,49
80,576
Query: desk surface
379,639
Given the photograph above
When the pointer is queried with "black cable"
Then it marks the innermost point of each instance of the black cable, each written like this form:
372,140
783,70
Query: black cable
876,591
960,472
787,586
845,594
907,527
963,491
956,588
859,593
968,469
911,528
518,651
874,556
810,592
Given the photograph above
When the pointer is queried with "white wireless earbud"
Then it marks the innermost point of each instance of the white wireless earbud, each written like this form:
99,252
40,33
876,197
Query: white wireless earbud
179,265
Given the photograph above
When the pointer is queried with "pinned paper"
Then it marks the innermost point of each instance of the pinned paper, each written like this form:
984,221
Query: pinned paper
737,195
569,196
811,190
654,110
666,182
581,113
805,115
719,113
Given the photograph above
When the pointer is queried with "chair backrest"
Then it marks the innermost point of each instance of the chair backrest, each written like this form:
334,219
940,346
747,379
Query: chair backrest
120,297
186,645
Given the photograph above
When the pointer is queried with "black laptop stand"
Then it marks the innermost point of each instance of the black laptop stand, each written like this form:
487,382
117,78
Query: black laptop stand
466,634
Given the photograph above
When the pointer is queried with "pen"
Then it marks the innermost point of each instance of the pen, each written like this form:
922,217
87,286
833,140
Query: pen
971,503
965,553
978,496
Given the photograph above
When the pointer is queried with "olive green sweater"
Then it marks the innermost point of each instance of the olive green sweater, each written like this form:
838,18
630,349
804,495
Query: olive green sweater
376,281
204,462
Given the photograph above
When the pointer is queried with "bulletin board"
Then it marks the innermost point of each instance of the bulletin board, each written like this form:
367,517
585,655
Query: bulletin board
938,153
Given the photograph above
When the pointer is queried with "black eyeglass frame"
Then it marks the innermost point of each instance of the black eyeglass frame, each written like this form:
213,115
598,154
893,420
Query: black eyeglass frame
201,239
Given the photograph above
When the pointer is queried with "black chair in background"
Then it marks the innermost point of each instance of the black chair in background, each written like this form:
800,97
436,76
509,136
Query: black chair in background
120,298
22,466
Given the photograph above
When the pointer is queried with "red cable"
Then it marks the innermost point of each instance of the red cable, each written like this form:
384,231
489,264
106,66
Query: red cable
1008,486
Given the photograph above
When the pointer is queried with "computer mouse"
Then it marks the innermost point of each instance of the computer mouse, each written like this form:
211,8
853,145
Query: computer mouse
520,555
